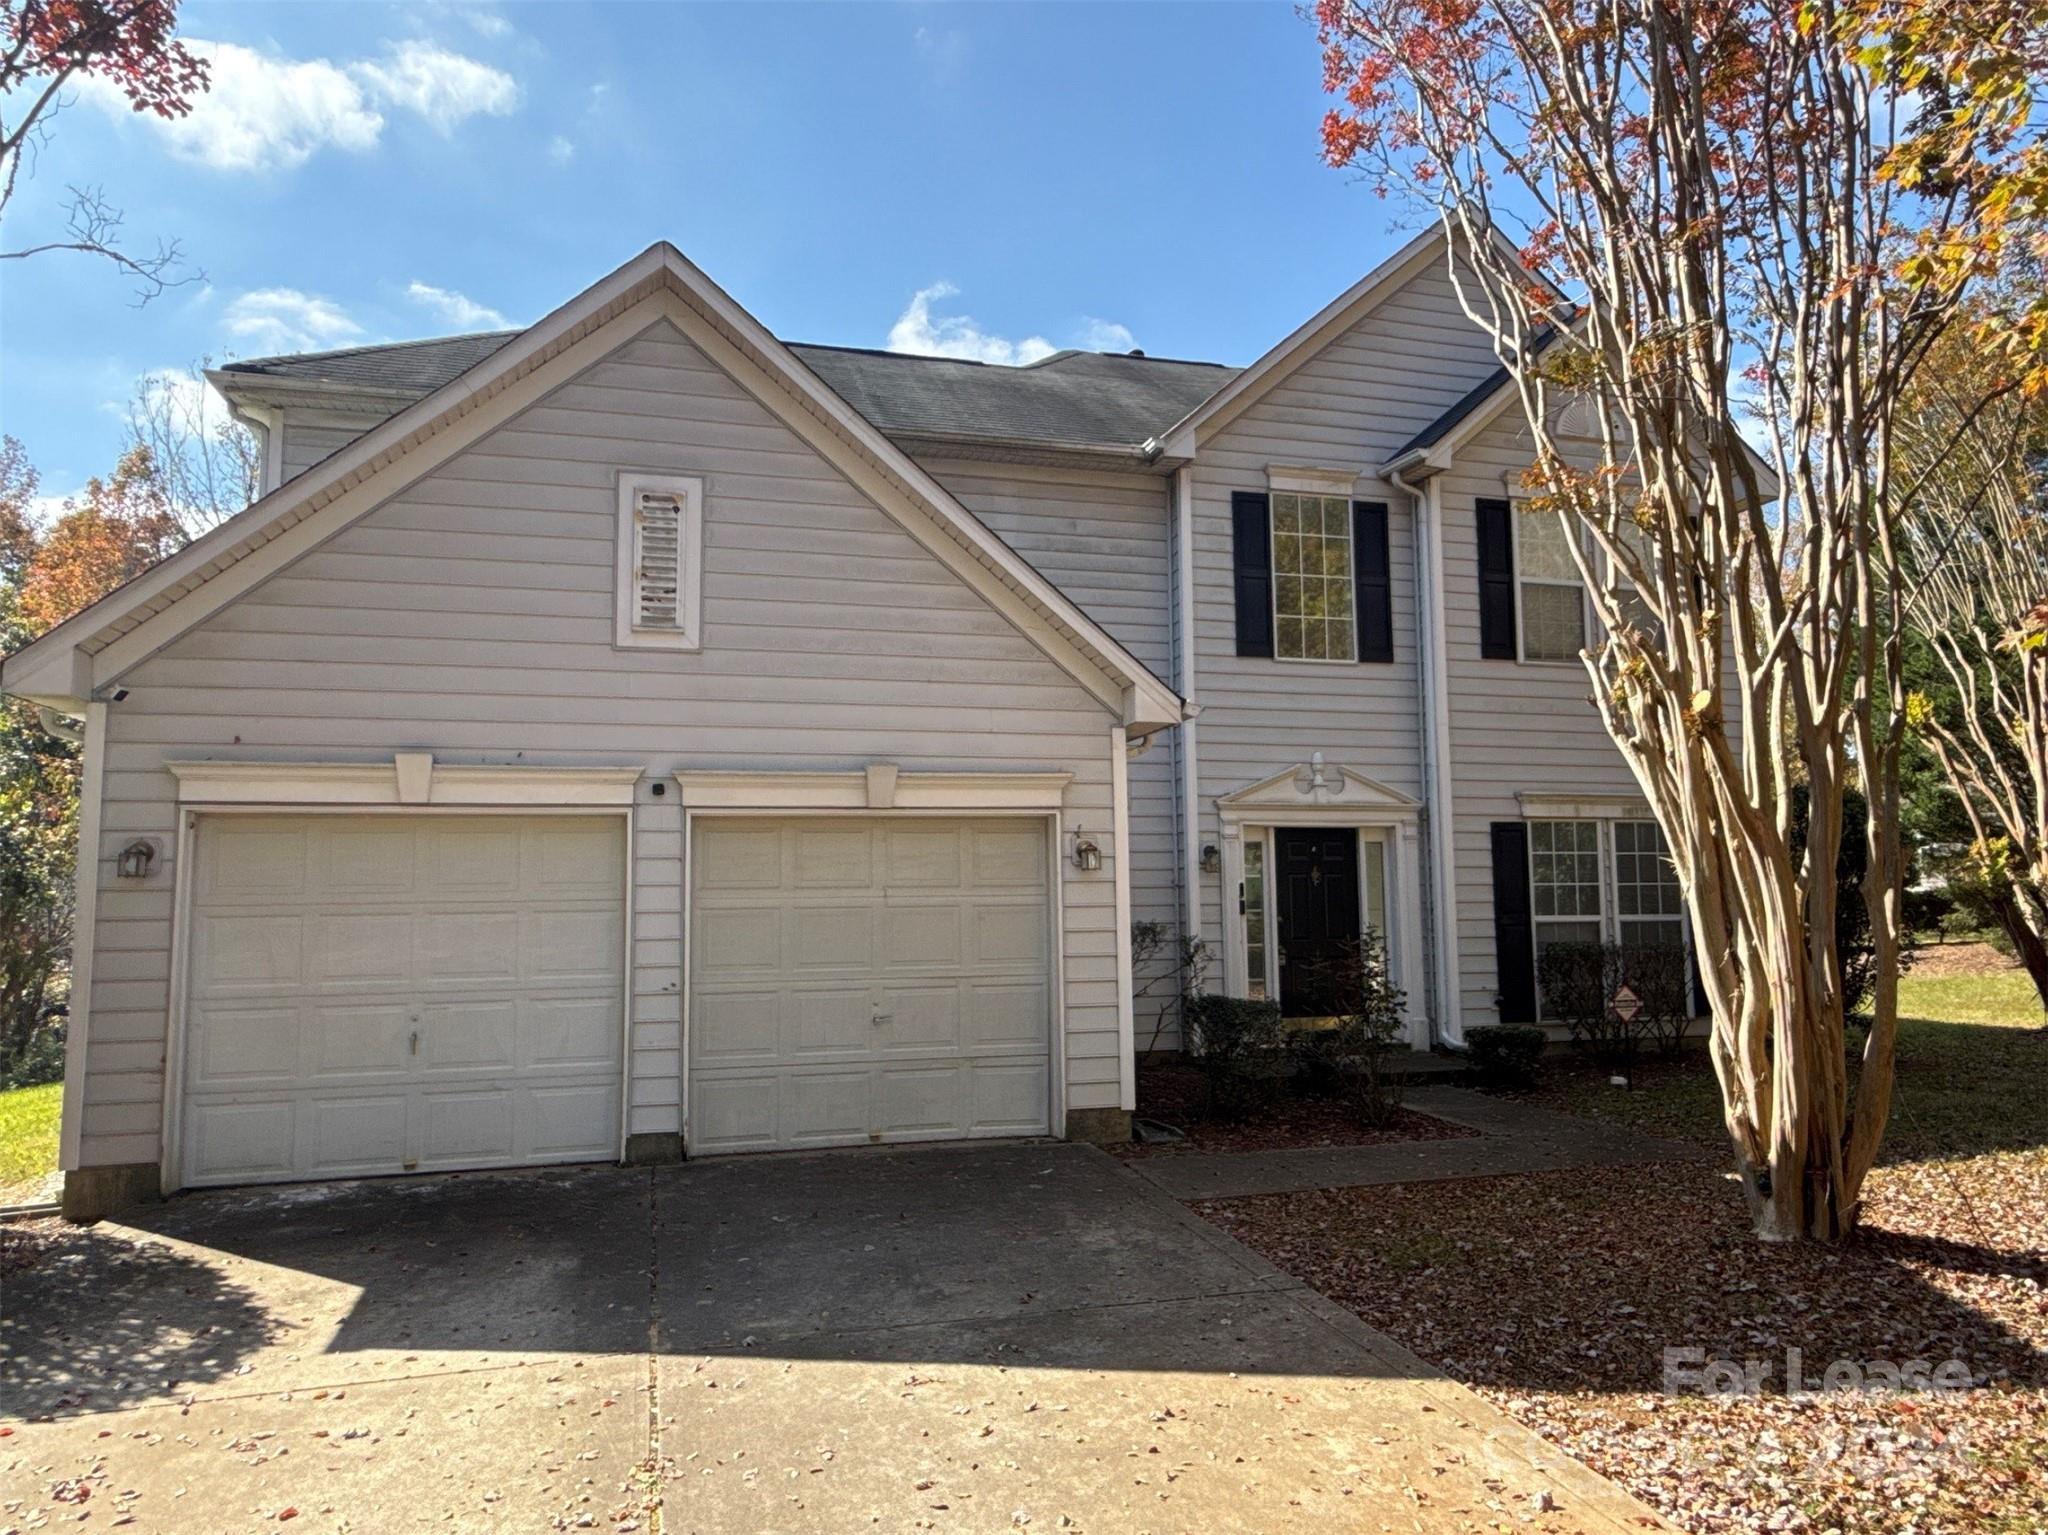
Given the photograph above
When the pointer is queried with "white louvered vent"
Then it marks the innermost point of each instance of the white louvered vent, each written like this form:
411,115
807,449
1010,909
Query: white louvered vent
660,553
657,560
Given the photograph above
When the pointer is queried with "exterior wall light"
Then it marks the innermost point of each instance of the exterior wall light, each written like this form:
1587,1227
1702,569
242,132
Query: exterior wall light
135,859
1212,858
1087,852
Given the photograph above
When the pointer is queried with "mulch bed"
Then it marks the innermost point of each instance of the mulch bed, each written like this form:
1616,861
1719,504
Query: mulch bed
1555,1295
1941,961
1282,1120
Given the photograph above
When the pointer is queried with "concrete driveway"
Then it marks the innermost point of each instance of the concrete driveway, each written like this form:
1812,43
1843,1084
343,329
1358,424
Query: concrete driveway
994,1338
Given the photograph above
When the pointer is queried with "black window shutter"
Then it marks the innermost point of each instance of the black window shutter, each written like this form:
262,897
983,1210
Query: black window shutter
1514,938
1496,581
1252,552
1374,570
1701,1007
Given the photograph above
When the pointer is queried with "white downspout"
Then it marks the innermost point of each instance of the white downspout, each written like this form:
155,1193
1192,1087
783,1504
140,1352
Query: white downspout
1432,650
1191,815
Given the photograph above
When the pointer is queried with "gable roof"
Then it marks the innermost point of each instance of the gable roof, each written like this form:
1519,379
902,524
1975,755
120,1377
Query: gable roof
1081,401
93,648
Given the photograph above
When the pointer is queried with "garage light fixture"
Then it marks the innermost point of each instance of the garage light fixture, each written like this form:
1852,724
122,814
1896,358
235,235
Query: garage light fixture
1087,852
135,859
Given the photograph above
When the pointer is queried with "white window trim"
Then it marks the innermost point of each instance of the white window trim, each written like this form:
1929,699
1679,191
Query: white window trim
1273,569
1605,814
687,635
1516,512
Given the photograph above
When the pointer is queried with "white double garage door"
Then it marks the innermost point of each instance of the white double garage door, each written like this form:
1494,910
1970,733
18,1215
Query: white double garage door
416,992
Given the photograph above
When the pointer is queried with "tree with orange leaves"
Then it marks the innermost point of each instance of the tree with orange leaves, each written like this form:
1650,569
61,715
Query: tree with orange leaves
1659,207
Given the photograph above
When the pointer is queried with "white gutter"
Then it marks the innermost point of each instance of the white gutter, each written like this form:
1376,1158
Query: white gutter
1432,650
1184,683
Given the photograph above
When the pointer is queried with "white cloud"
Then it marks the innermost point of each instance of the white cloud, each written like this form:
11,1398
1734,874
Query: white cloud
921,333
486,23
943,50
1107,336
266,113
284,320
457,309
186,396
445,88
560,150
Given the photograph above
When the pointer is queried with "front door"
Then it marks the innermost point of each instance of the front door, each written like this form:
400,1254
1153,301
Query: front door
1317,880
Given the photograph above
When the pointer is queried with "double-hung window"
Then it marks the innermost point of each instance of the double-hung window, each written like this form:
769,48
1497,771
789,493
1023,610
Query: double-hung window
1313,608
1649,908
1565,881
1552,592
1607,882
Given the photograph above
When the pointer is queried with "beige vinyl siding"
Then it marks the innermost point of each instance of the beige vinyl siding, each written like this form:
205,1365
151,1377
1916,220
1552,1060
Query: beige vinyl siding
472,616
1101,537
1349,407
310,435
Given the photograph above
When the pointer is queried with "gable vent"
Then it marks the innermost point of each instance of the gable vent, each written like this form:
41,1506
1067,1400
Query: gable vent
658,560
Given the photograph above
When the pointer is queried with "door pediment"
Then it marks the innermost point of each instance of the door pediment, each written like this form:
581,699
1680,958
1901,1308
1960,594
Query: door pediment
1317,785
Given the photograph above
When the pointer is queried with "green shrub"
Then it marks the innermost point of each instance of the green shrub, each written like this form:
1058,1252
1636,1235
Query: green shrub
1356,1058
1231,1039
1505,1054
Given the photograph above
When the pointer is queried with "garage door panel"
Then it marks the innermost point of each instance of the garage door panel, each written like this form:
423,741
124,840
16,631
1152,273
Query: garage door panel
244,951
921,1020
729,1027
361,948
1005,1013
390,993
570,1033
731,857
572,860
355,1135
911,956
238,1142
832,858
255,862
247,1047
1009,1098
742,941
1009,857
834,937
481,947
1011,934
374,859
563,1118
925,857
573,947
351,1041
825,1021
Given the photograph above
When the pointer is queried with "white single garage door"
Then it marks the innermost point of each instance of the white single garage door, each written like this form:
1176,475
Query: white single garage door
868,979
385,994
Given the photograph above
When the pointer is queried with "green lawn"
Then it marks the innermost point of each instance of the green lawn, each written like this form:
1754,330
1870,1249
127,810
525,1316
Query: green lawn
1972,1077
28,1140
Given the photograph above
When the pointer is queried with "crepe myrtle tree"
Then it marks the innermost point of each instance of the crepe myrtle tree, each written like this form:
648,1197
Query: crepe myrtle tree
1976,550
1657,207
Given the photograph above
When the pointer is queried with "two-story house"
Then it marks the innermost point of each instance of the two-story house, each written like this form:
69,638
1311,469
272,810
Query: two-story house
636,736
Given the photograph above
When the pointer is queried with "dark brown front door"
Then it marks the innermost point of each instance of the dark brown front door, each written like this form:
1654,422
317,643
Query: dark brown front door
1318,910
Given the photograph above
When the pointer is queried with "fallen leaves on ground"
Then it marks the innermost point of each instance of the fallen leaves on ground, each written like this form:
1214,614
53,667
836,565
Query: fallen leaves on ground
1280,1119
1556,1294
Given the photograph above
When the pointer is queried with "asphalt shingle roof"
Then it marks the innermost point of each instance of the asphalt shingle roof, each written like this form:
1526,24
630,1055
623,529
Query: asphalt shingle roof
1077,399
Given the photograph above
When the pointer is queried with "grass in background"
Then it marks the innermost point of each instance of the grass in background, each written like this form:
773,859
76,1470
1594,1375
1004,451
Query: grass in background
28,1140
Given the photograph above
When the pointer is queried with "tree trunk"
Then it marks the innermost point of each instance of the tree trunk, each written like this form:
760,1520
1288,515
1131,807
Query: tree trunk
2027,942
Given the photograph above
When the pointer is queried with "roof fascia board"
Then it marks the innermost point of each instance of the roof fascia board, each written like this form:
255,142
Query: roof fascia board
1351,306
322,393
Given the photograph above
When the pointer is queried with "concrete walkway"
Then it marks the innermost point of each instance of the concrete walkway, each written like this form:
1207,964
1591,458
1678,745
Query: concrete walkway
974,1339
1513,1138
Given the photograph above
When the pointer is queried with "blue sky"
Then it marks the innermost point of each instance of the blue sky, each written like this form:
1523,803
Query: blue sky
1042,175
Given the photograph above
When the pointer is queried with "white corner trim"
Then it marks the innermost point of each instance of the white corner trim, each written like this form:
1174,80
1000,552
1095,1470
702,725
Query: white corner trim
773,791
1584,806
1313,482
92,754
1120,856
392,783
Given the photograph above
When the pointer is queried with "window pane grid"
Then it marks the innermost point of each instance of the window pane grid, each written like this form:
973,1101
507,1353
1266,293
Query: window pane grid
1312,578
1553,600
